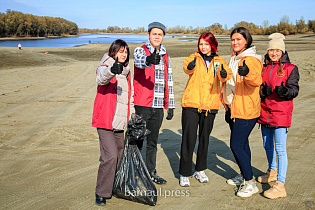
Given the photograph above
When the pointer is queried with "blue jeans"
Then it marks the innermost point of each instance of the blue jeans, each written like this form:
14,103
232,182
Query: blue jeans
274,140
239,143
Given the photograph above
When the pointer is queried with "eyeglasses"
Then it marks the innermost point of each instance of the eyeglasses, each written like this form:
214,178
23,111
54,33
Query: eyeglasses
274,51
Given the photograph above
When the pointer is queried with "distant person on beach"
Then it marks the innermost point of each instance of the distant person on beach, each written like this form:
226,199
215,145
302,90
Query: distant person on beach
200,104
153,84
20,46
280,86
242,102
113,106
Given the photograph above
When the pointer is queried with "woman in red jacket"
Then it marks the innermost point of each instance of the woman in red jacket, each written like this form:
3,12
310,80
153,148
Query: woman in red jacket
279,87
112,107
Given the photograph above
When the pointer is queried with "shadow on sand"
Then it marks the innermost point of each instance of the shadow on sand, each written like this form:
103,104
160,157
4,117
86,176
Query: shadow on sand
171,143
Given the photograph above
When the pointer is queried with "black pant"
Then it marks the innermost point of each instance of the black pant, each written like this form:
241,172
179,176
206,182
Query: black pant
153,118
191,119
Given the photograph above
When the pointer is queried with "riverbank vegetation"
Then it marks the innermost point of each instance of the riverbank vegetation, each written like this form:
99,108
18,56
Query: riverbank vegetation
18,24
284,26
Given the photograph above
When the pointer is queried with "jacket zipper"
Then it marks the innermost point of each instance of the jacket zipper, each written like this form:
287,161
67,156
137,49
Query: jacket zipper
204,63
268,96
235,90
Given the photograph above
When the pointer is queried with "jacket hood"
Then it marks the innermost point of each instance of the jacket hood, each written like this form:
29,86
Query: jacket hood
249,52
285,58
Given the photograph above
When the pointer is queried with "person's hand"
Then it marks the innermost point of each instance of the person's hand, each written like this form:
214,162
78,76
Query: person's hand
281,90
227,117
170,114
223,72
154,58
266,89
243,70
192,64
117,67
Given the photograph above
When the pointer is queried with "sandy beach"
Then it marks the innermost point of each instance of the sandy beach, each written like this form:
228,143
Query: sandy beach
49,152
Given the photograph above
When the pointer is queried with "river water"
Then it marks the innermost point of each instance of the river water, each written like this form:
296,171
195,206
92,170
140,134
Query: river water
76,41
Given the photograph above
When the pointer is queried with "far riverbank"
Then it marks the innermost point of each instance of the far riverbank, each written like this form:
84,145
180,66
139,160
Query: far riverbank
35,38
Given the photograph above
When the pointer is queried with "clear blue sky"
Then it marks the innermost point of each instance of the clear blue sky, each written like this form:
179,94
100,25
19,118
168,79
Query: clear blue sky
100,14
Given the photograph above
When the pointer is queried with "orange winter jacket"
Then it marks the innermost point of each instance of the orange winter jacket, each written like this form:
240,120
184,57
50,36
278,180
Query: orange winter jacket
203,87
246,101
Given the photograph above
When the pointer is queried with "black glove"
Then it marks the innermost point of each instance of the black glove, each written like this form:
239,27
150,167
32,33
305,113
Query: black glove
192,64
154,58
243,70
266,89
170,114
117,68
281,90
223,72
227,117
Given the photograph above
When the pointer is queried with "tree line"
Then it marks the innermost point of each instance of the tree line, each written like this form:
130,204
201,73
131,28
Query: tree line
18,24
284,27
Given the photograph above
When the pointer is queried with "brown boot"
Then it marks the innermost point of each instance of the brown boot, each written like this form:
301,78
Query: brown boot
269,176
277,191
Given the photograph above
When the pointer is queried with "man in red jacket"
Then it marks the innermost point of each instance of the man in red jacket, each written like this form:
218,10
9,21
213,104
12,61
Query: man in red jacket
153,85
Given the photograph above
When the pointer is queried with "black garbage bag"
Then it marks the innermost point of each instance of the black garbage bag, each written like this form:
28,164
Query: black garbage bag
132,180
136,130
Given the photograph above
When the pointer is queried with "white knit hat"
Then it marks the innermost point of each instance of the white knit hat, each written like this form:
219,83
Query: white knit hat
276,42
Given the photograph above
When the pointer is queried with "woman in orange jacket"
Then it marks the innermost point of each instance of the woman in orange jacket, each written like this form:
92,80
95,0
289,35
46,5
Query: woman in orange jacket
242,101
200,103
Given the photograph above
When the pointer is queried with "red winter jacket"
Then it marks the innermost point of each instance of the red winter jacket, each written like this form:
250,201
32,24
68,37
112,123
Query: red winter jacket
144,80
276,111
114,99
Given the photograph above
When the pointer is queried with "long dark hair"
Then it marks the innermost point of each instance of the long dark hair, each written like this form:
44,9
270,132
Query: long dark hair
245,33
209,37
115,47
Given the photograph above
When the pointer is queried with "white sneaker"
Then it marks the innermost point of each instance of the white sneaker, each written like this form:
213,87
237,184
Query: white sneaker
201,176
184,181
237,180
247,189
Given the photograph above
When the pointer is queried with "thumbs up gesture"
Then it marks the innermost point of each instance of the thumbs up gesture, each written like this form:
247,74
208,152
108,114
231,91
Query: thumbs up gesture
281,90
154,58
223,72
243,70
266,90
117,67
192,64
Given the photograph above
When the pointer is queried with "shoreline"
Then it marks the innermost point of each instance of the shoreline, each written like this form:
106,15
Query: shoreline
64,36
179,36
34,38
